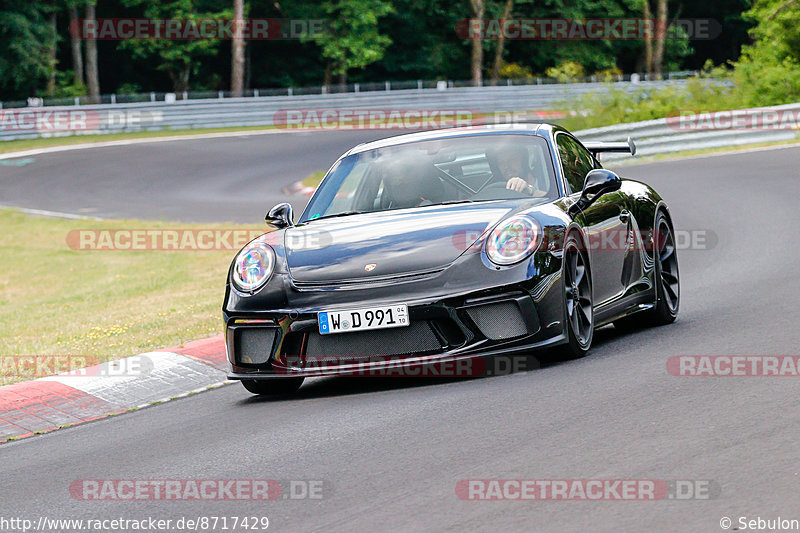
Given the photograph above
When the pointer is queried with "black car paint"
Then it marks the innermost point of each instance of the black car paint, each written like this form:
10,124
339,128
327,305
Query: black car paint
437,281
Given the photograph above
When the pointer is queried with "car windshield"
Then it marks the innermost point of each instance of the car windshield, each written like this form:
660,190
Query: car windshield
440,171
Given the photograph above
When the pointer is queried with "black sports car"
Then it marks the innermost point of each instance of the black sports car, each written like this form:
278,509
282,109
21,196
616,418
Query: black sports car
441,246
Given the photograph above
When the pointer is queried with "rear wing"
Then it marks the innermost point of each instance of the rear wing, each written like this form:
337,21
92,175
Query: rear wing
599,147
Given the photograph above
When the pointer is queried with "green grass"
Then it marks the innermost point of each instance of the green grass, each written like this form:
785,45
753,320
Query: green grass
55,300
617,106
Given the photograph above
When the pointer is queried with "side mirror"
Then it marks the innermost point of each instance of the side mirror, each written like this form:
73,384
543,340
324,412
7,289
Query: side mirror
597,183
280,216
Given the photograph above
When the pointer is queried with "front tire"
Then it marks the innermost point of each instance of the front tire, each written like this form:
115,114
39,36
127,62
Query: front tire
273,387
577,299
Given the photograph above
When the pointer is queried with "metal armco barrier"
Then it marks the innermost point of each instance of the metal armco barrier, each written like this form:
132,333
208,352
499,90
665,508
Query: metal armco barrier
703,130
33,122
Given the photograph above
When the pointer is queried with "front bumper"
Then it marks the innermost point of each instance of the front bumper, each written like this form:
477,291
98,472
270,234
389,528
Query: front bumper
443,331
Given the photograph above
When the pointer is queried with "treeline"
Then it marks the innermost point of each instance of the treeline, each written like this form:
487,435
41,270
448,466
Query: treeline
362,41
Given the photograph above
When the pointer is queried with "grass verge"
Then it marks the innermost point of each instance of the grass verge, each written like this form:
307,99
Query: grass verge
55,300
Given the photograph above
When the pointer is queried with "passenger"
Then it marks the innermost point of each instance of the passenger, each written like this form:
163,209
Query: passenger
409,183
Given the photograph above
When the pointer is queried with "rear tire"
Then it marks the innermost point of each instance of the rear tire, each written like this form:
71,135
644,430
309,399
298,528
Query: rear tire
577,299
667,282
273,387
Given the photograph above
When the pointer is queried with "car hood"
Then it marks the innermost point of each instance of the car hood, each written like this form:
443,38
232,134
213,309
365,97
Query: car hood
375,245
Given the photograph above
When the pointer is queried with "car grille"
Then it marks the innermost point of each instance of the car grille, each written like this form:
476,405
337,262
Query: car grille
418,337
253,346
497,321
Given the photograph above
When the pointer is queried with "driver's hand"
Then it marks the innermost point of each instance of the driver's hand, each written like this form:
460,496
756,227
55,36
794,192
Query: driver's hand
518,184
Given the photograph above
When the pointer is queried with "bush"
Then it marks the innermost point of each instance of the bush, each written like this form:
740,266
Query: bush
566,71
515,71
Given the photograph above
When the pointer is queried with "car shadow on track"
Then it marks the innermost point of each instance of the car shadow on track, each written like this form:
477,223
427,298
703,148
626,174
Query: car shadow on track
494,367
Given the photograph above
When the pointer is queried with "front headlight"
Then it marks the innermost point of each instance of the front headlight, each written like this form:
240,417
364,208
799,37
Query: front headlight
513,240
253,265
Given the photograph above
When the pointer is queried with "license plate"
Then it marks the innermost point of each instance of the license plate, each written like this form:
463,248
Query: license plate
390,316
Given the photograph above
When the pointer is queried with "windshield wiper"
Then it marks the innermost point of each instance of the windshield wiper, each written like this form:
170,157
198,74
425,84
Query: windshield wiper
342,214
451,202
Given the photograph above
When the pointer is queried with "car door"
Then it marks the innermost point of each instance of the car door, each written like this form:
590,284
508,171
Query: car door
605,220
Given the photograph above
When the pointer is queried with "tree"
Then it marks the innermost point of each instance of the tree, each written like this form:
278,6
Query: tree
501,41
92,74
178,58
25,63
478,8
352,39
648,38
75,42
237,49
52,44
661,37
768,71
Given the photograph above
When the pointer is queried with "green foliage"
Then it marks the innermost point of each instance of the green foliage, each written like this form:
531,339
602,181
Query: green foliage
66,88
352,39
566,71
515,71
615,106
179,59
24,35
377,40
768,71
129,88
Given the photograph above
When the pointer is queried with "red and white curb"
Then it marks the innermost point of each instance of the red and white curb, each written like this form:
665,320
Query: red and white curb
298,189
50,403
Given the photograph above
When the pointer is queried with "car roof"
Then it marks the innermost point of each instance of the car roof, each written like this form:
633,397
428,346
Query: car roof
446,133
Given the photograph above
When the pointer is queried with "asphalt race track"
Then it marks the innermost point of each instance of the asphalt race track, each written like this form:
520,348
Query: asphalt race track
390,452
202,180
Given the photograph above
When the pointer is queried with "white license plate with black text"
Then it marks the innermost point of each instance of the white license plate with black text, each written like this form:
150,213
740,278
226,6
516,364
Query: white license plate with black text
388,316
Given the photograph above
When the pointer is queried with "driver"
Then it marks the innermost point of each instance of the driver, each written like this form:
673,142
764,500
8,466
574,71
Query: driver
512,162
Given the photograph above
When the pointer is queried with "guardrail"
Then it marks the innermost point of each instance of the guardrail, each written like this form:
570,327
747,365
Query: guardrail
355,88
33,122
703,130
